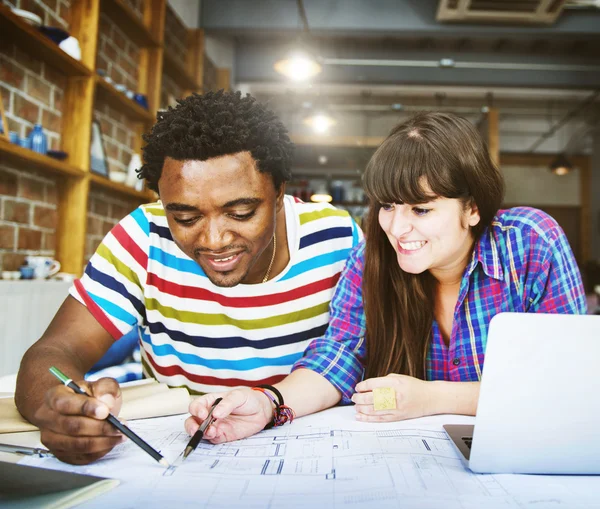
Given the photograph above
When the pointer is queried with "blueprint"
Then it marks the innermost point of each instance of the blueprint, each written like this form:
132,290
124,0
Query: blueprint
327,460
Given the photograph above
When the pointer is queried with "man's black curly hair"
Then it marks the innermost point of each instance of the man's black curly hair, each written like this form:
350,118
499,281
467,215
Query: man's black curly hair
215,124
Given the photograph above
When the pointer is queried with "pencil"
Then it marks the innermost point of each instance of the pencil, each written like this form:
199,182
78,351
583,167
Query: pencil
193,443
113,420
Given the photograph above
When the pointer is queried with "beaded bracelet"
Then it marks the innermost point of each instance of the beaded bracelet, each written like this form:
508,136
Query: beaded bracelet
281,413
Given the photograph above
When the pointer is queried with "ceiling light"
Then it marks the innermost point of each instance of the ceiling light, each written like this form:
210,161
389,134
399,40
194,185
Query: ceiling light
322,159
298,65
321,195
561,165
320,122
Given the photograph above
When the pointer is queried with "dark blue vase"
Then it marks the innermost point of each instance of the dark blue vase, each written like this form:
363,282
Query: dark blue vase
38,140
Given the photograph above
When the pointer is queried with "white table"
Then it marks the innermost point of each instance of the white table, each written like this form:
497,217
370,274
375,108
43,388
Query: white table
326,460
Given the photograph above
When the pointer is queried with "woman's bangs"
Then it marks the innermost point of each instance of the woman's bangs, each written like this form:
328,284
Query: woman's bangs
399,174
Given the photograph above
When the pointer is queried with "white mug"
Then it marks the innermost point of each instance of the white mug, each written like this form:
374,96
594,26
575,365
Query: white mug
43,266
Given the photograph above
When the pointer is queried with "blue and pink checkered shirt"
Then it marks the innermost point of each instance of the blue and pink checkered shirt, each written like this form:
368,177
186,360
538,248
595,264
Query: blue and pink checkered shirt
521,263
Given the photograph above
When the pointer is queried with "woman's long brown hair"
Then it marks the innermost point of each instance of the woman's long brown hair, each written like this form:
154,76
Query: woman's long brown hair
445,153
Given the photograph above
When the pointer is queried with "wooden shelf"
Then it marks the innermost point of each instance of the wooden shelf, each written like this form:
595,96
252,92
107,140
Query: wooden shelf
31,40
126,19
145,195
120,101
33,160
178,73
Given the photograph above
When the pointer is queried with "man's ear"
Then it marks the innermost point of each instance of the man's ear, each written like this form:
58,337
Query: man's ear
280,195
473,214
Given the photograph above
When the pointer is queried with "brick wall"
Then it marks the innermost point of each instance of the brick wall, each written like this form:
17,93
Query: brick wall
169,92
32,92
175,45
28,215
137,7
104,211
175,36
118,55
118,134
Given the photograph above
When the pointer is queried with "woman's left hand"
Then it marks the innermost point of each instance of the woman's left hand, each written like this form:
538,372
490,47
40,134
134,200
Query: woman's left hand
413,398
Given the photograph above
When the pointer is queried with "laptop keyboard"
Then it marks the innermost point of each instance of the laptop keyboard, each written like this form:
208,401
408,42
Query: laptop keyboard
468,441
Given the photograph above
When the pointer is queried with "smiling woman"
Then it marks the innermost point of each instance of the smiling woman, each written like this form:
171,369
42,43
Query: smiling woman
412,307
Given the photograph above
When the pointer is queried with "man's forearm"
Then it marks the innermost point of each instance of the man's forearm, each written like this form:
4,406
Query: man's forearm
454,398
307,392
34,379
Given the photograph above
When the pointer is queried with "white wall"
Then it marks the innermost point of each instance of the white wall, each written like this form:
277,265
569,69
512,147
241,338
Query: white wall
188,11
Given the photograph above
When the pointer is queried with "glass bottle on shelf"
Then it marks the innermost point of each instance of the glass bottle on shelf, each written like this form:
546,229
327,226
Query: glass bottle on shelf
37,140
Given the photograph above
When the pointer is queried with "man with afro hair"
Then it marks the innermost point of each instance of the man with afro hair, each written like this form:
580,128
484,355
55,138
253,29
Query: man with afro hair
226,278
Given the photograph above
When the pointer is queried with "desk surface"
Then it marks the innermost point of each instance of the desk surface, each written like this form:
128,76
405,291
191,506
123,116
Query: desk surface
324,460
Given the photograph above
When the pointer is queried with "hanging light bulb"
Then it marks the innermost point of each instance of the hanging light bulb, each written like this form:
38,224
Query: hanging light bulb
320,122
561,165
298,65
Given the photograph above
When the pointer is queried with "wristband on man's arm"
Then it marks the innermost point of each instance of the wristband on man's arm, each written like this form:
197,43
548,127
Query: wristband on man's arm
281,413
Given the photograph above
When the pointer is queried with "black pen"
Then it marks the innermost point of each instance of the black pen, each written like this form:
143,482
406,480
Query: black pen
193,443
112,419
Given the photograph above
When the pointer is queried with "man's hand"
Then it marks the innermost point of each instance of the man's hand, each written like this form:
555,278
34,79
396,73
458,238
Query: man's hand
72,426
241,413
413,398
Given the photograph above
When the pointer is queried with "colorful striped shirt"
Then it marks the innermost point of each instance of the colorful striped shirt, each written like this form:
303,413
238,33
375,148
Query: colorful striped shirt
205,337
521,263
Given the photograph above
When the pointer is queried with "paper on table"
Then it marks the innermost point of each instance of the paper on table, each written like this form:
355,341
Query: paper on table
139,402
323,460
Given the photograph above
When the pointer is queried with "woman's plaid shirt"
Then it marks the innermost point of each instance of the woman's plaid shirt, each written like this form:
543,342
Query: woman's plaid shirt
522,263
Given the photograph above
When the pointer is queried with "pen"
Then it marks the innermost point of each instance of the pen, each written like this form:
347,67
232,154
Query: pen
22,449
112,419
193,443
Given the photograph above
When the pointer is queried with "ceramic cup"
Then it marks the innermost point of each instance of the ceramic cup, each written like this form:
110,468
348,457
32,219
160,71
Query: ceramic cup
43,266
11,275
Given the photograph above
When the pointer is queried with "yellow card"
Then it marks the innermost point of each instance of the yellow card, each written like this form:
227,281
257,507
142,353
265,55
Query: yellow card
384,398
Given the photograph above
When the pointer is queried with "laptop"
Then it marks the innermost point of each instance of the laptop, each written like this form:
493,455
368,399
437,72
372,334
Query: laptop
539,400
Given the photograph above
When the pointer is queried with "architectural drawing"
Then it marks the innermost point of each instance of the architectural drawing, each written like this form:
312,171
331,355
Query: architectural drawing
327,460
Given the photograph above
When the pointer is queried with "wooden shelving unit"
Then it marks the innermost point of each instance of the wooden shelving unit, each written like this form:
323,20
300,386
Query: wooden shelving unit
126,20
32,40
122,189
178,73
82,89
31,159
106,92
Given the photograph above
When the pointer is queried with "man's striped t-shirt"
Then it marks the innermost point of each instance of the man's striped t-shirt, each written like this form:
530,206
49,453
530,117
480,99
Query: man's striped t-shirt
208,338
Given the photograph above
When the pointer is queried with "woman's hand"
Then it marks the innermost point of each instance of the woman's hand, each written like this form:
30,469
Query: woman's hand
241,413
413,398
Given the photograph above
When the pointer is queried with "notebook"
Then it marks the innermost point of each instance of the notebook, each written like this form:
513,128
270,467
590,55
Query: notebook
25,487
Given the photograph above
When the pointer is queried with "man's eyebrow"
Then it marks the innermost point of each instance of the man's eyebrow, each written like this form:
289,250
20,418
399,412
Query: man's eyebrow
242,201
183,207
180,207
